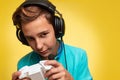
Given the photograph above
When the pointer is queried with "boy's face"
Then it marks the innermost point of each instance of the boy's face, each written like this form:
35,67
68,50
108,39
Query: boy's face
40,36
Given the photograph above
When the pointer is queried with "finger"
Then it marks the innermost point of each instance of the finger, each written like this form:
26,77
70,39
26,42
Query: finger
54,71
54,63
57,76
15,75
26,78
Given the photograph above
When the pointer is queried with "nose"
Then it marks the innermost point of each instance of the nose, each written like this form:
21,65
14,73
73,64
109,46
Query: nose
39,44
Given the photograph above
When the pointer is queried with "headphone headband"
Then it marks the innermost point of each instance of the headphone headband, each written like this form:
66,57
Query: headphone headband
42,3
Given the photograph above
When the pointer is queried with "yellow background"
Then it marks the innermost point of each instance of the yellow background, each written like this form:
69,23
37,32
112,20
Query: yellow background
93,25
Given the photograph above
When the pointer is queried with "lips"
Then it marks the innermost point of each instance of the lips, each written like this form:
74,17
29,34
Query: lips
44,52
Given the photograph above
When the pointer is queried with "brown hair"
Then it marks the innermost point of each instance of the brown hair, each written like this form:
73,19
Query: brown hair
26,14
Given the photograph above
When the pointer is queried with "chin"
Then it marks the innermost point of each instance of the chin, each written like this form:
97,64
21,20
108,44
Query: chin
45,55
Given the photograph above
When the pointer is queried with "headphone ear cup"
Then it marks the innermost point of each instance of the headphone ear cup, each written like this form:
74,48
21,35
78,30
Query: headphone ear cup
59,27
21,37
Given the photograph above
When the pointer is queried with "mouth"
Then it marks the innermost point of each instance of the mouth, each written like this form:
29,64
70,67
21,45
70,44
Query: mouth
45,52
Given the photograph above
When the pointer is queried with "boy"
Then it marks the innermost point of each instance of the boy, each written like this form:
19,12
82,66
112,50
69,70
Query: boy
38,27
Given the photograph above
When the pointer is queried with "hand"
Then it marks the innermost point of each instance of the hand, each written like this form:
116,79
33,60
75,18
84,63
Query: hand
15,76
57,72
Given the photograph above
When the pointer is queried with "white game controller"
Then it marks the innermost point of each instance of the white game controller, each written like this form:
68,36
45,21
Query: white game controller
35,72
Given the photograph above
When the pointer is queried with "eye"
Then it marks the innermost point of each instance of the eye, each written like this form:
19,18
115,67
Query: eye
44,34
30,38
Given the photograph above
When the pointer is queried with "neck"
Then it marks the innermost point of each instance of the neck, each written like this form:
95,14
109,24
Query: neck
56,48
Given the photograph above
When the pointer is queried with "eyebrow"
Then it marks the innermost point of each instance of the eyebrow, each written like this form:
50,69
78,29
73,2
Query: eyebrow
46,31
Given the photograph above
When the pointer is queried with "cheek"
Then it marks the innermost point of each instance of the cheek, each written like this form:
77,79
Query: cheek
51,40
32,45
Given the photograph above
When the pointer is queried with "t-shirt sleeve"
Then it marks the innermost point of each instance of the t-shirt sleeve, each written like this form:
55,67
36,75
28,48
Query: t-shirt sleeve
83,72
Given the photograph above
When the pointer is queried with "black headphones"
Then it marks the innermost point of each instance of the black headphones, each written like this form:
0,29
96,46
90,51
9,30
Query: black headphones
59,25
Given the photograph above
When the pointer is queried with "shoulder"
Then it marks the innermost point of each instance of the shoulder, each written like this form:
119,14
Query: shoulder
74,50
75,53
26,57
26,60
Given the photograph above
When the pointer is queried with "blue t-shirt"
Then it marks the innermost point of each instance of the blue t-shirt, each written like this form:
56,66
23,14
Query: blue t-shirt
72,58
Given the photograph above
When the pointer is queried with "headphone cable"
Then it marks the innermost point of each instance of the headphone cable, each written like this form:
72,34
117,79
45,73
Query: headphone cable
64,54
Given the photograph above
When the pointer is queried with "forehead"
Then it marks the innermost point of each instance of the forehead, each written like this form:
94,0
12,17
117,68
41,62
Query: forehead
38,25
